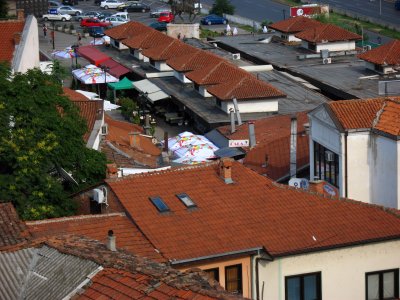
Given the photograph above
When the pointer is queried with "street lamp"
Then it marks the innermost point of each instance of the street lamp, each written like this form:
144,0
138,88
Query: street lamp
105,70
53,34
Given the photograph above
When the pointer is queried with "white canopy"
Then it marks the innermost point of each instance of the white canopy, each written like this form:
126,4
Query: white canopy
152,91
93,96
92,75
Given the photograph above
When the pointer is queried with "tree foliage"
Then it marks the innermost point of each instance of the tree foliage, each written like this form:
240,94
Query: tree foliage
3,9
221,7
41,131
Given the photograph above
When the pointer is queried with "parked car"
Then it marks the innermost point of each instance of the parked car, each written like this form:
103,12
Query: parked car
166,17
156,12
54,4
94,23
87,15
110,4
96,31
56,17
160,26
97,2
104,14
397,5
69,10
115,21
70,2
127,3
122,15
213,19
135,7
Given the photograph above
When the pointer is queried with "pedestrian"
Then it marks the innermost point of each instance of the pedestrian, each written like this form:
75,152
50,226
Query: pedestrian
179,36
79,39
45,30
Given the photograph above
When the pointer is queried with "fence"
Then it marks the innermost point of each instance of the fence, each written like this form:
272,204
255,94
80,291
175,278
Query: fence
243,21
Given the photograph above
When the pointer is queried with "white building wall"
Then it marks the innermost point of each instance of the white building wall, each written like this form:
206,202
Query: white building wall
384,183
250,106
138,55
292,38
337,46
118,45
181,77
162,66
203,91
26,55
342,270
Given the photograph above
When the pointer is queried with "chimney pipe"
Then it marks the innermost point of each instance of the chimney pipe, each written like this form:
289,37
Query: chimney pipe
134,140
252,134
112,171
20,15
111,241
235,104
293,147
232,113
225,169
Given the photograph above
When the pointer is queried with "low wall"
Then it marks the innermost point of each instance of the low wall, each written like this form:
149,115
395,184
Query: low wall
243,21
184,30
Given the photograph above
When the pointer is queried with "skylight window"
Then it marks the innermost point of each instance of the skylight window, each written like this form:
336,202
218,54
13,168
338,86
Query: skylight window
186,200
159,204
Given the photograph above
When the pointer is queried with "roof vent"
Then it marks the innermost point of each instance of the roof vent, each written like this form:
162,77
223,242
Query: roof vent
235,56
111,243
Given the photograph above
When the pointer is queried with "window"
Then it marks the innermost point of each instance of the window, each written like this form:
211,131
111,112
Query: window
213,273
303,287
326,164
186,200
159,204
382,285
233,279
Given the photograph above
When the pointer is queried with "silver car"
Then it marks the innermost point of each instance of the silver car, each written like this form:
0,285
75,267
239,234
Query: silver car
156,12
69,10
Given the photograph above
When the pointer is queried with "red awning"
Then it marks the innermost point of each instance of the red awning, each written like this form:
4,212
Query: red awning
92,54
116,69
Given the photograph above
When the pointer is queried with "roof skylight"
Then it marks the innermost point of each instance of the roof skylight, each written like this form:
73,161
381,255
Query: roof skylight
186,200
159,204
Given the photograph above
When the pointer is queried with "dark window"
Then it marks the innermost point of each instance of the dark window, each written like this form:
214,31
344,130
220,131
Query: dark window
116,43
186,200
303,287
218,102
233,279
159,204
326,165
382,285
213,273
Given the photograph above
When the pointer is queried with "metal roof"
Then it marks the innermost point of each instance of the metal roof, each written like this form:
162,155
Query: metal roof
41,273
153,92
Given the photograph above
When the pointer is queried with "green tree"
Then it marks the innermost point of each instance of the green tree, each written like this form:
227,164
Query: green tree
3,9
40,132
221,7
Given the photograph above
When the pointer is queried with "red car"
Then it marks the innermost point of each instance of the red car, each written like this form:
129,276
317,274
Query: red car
94,23
166,17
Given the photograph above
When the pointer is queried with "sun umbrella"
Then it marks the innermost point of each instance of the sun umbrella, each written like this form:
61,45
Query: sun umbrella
92,74
66,53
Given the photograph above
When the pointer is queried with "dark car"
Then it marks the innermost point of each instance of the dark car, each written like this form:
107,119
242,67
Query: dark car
397,5
104,15
88,15
213,19
160,26
135,7
96,31
70,2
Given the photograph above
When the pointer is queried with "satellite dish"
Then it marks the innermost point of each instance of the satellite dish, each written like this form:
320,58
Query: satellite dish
67,176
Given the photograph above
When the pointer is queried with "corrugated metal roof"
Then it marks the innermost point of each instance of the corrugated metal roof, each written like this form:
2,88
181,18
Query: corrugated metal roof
154,93
42,273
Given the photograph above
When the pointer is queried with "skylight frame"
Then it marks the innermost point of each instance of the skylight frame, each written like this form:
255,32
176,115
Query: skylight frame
186,200
159,204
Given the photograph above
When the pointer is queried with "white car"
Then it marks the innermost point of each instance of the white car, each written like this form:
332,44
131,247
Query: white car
122,15
115,21
110,4
56,17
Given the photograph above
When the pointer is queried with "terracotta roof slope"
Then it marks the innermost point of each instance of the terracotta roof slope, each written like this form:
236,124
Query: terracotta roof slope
73,95
12,230
196,60
96,227
388,119
327,33
90,111
174,48
146,40
10,32
294,25
388,54
258,212
127,30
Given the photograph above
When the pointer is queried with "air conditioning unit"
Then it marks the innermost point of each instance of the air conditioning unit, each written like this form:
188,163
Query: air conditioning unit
100,195
235,56
104,129
327,60
329,156
367,48
299,183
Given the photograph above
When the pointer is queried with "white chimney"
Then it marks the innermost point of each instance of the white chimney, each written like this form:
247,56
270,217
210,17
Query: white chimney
232,113
252,134
236,106
293,146
111,243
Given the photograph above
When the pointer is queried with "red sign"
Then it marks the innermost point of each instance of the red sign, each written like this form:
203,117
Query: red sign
306,11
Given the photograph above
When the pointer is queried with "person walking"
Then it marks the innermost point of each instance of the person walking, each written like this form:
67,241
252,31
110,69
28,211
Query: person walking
79,39
44,30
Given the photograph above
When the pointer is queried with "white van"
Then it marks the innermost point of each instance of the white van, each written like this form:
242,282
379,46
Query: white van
123,15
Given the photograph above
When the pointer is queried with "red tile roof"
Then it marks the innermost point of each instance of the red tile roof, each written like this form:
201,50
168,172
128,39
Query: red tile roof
252,212
245,88
112,283
388,119
273,141
147,39
294,25
9,30
12,230
327,33
127,30
197,59
90,111
73,95
174,48
388,54
96,227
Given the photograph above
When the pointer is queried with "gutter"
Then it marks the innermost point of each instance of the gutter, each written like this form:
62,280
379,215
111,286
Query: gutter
257,260
216,256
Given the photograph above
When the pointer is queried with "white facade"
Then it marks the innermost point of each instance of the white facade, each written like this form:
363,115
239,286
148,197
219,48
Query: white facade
251,106
343,271
162,66
331,46
181,77
203,91
26,55
373,161
378,68
118,45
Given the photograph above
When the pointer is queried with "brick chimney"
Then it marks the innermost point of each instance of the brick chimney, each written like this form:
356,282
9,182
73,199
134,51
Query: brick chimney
111,243
112,171
20,15
225,169
134,140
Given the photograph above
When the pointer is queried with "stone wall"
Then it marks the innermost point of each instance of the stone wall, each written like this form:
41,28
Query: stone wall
184,30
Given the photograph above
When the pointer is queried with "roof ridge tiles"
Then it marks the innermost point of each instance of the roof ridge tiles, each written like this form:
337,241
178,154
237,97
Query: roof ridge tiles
72,218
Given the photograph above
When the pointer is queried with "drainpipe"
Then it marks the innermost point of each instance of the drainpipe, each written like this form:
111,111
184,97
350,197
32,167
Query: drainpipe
232,113
236,106
346,189
293,146
258,258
